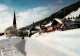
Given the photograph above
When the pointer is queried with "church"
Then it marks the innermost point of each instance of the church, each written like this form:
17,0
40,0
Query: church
12,30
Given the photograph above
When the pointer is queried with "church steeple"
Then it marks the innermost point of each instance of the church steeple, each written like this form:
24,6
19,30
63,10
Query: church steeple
14,20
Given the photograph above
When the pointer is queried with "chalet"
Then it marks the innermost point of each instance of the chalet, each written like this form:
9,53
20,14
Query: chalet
55,25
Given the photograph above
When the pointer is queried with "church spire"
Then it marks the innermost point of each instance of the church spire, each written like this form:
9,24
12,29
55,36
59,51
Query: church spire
14,20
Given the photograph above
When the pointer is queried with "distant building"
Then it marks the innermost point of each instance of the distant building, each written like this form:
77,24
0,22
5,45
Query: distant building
69,24
33,30
12,30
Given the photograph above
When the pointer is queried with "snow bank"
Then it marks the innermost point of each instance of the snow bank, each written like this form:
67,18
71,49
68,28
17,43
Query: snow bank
66,43
58,43
3,37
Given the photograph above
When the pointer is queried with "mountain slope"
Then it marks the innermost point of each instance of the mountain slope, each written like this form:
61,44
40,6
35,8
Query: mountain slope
74,14
60,14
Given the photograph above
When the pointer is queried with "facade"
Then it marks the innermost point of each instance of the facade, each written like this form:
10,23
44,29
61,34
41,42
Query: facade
13,29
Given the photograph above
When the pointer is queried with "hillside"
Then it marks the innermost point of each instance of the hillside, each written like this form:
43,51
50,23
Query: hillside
60,14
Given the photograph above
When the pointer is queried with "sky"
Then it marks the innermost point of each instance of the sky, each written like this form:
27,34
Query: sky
28,11
29,4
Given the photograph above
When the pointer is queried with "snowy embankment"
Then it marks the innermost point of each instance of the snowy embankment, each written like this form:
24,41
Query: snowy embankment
66,43
58,43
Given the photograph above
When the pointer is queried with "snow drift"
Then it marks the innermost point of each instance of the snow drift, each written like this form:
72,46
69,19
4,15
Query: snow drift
58,43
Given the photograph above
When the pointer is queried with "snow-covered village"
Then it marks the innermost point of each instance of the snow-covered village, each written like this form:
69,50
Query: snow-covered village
39,28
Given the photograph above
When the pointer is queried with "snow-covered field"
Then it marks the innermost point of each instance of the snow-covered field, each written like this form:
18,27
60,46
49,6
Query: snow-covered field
59,43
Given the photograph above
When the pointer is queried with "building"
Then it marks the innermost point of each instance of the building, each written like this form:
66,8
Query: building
12,30
69,24
55,25
33,30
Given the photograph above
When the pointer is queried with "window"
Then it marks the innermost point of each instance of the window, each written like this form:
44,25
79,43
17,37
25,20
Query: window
6,33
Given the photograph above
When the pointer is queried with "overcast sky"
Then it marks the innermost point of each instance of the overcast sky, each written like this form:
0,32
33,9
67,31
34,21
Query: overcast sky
28,11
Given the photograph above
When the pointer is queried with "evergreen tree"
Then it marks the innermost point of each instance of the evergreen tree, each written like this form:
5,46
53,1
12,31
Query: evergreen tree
79,15
73,17
69,18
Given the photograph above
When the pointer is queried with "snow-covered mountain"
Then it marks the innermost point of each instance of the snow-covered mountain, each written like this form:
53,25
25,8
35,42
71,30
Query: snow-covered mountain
58,43
74,14
66,12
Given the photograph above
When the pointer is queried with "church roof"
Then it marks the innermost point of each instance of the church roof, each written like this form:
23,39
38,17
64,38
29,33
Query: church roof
11,29
58,20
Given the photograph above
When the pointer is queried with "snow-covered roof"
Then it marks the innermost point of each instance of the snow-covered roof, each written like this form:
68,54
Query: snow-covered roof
58,20
49,24
11,29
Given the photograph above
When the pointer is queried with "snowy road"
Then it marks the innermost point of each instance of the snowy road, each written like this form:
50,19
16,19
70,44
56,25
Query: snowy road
66,43
7,47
